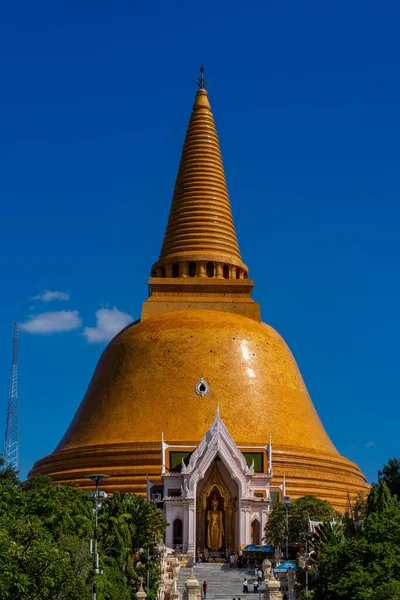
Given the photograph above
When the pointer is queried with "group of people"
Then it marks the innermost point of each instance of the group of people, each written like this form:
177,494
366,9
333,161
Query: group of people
241,562
257,582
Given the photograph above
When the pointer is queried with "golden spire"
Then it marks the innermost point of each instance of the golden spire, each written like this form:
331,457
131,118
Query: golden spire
200,239
200,267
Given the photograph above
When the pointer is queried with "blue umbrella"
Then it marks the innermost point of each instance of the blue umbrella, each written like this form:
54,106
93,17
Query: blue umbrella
254,548
267,548
285,566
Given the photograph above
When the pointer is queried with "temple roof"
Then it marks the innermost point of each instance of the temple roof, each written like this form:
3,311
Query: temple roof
200,224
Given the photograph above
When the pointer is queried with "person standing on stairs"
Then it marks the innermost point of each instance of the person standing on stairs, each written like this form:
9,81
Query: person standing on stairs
245,586
205,590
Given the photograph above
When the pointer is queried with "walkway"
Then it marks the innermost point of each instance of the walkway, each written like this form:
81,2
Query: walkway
223,583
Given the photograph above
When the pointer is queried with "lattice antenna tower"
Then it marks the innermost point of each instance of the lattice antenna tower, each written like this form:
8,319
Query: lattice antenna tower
11,442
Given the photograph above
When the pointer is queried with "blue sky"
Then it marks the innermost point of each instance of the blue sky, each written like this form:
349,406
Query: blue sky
94,102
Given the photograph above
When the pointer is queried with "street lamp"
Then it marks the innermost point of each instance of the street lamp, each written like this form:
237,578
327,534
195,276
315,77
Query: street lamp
96,478
148,563
286,502
308,535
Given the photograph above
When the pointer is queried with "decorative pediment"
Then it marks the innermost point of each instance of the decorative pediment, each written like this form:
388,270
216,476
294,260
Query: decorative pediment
217,441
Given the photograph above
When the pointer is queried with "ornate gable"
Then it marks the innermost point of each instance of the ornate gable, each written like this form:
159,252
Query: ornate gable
216,442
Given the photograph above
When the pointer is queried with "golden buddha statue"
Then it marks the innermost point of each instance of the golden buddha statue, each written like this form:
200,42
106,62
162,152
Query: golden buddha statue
215,529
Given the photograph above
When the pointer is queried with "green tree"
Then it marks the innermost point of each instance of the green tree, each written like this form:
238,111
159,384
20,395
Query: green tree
390,474
130,530
353,521
367,567
328,534
387,590
38,563
299,512
379,499
275,530
34,566
44,542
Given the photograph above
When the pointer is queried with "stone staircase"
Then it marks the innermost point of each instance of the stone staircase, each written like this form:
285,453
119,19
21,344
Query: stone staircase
223,582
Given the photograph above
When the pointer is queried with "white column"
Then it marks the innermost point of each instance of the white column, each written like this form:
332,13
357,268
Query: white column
185,540
169,534
191,546
248,525
264,520
245,524
242,525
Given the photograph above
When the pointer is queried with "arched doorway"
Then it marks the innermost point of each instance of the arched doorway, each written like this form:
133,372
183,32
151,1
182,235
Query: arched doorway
216,515
255,532
177,532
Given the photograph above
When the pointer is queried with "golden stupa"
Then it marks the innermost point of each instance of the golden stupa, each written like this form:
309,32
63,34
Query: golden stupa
199,322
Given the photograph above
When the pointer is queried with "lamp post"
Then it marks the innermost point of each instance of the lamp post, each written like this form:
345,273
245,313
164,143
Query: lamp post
148,565
286,501
96,478
308,535
148,568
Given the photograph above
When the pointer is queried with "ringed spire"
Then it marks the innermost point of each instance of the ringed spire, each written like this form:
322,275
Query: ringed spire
200,238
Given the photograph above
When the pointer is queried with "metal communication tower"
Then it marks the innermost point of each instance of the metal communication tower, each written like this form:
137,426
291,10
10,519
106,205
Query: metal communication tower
11,443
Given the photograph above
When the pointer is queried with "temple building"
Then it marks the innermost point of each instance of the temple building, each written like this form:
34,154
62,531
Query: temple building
219,496
199,404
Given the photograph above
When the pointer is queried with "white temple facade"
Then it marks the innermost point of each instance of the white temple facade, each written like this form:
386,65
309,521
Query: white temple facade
217,496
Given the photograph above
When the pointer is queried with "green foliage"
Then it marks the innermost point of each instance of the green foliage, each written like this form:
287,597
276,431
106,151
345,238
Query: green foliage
328,534
353,522
305,508
387,591
366,567
379,499
390,474
129,527
299,511
275,530
44,542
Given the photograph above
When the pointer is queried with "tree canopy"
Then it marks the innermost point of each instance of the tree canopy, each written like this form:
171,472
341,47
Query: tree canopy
359,563
44,542
390,474
299,511
356,558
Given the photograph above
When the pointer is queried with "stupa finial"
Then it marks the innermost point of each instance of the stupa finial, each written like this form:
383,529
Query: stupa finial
201,81
200,227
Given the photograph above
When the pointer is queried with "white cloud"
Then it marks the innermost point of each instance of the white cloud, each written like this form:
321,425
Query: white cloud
49,295
108,324
370,444
52,322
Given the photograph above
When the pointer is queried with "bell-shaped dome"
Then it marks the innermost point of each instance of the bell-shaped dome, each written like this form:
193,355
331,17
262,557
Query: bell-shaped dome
199,342
145,385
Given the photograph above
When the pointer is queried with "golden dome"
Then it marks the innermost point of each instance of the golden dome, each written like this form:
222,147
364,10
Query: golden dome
199,322
144,385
